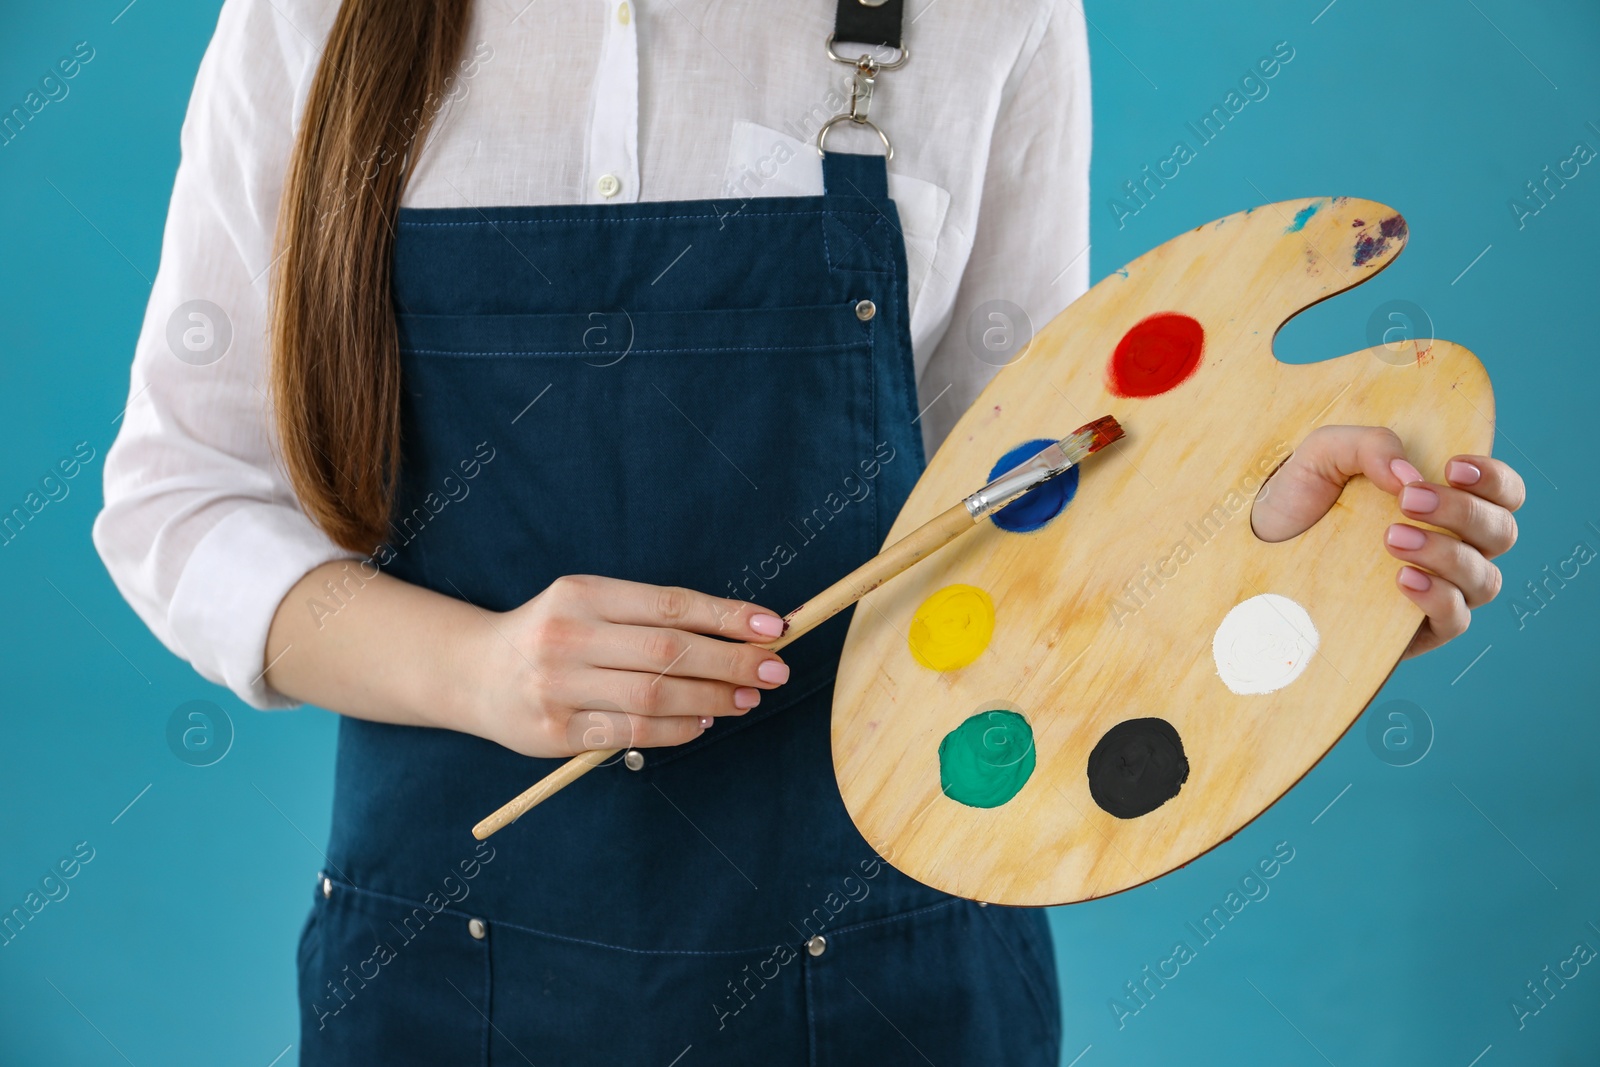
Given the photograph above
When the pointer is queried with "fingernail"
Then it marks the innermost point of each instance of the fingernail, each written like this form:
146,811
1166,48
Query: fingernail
746,697
1406,537
1404,471
769,625
706,721
1461,472
1416,498
1415,580
774,671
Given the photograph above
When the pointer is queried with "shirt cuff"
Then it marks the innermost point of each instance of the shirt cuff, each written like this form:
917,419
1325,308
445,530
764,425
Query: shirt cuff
230,590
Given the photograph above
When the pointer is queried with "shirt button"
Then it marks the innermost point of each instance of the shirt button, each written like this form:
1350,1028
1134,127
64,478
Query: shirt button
478,929
608,185
865,309
327,887
817,945
633,760
622,14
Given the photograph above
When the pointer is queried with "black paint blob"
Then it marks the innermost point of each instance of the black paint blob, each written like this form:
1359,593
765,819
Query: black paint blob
1138,766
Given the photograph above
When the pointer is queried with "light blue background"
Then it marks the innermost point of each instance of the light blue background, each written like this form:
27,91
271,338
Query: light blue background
1416,905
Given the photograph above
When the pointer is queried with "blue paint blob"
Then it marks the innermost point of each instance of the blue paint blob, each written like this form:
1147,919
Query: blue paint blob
1302,217
1032,510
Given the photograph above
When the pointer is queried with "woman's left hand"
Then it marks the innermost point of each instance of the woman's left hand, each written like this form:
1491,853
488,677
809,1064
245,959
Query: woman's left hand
1446,576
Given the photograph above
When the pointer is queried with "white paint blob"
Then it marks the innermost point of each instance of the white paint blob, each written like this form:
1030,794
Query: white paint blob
1263,644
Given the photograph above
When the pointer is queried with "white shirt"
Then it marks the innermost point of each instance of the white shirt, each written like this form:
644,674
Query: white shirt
563,102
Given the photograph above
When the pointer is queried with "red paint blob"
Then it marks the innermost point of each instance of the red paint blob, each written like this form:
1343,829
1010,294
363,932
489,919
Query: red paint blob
1158,354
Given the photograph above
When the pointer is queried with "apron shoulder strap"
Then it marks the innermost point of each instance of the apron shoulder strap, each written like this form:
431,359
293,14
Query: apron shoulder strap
850,174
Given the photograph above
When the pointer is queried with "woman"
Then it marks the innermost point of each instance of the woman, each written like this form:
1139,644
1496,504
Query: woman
568,325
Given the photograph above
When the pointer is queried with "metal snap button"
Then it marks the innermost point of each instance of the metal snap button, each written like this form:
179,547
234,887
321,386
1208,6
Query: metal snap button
478,929
865,309
817,945
983,903
608,185
327,887
633,760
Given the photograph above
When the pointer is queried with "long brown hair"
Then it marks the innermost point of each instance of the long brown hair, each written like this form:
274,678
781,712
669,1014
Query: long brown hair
335,364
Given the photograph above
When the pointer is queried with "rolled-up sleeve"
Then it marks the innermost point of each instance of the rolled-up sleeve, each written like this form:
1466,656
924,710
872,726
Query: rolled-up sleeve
201,531
1031,243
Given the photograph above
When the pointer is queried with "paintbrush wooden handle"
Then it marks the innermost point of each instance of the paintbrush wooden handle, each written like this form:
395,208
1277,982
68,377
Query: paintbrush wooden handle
554,782
918,544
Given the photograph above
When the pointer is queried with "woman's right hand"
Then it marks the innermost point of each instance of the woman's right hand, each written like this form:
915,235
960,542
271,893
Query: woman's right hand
601,663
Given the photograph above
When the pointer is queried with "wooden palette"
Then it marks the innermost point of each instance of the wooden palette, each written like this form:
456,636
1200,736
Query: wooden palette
1099,618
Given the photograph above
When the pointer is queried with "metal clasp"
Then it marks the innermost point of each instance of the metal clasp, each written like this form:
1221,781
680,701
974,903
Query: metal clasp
905,54
861,86
861,83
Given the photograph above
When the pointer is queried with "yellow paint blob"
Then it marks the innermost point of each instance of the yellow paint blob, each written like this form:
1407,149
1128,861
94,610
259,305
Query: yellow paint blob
952,627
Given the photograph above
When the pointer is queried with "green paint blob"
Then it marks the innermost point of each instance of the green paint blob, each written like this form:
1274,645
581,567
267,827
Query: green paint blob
986,760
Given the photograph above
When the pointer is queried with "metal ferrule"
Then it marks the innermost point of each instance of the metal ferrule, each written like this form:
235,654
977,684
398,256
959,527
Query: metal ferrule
1043,466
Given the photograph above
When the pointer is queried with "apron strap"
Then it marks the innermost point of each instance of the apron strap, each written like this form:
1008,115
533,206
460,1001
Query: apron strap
875,22
859,228
853,174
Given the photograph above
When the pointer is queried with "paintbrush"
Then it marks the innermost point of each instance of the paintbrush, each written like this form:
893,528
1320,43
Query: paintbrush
1049,462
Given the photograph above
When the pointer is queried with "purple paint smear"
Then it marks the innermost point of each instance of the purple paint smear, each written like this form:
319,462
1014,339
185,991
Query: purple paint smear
1369,247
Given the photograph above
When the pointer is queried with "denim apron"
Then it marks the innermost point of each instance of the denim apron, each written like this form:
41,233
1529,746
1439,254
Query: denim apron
712,394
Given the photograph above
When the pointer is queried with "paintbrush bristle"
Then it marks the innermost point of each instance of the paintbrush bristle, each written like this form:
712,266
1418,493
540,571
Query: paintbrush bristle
1102,432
